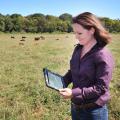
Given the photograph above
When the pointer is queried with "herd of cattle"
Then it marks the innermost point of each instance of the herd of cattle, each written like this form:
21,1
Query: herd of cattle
23,38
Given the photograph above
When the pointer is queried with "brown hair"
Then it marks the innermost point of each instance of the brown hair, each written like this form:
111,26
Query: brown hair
89,20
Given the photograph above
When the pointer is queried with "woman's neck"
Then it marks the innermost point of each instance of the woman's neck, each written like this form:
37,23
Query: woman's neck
86,48
89,45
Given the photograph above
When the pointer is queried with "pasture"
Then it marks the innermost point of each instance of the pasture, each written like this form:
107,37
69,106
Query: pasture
23,94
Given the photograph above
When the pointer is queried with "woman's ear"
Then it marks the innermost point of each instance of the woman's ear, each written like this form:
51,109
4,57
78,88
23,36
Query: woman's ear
92,30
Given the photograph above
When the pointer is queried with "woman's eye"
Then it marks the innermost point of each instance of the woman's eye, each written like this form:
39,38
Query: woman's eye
77,33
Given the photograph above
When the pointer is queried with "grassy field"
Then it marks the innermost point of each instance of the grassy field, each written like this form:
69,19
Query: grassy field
23,94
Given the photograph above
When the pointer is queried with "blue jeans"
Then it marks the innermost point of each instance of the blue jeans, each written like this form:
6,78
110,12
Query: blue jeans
100,113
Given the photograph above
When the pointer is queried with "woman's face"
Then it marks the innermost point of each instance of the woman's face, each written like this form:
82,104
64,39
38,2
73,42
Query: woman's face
83,35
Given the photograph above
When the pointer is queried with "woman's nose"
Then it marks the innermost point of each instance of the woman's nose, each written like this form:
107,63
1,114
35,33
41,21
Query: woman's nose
77,37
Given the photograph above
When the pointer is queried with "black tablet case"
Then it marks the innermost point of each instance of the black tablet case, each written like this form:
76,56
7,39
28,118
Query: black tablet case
53,80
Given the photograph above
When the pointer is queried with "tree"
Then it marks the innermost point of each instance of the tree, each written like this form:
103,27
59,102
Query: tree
35,22
8,24
51,23
18,22
66,17
40,23
2,22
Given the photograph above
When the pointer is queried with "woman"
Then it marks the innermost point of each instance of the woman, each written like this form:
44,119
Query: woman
90,71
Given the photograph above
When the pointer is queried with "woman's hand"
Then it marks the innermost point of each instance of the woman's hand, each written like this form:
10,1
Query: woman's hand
66,93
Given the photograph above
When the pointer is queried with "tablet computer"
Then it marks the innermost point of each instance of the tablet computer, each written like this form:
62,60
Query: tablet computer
53,80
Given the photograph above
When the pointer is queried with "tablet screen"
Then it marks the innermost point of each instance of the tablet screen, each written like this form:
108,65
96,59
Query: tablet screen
53,80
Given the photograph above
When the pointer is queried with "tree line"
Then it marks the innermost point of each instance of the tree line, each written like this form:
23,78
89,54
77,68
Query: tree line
38,22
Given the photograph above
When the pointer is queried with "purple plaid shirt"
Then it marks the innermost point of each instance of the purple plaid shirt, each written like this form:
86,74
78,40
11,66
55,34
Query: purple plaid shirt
90,75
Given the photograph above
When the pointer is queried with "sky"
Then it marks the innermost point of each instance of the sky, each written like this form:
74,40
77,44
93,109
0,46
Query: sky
101,8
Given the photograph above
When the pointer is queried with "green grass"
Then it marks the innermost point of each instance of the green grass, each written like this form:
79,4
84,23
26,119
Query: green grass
23,94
